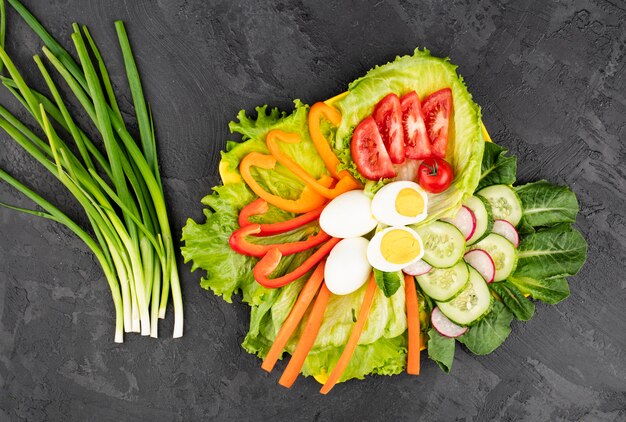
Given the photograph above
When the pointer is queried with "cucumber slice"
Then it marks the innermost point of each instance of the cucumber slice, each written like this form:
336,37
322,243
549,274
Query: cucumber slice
502,252
505,204
444,284
444,244
484,220
472,303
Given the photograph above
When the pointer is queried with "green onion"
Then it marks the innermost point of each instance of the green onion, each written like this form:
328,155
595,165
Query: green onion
119,189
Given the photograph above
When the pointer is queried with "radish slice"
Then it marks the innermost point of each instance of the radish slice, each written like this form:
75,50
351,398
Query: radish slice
419,267
506,230
464,220
444,326
482,262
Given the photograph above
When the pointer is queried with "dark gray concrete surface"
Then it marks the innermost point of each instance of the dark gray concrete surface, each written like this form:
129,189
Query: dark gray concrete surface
551,79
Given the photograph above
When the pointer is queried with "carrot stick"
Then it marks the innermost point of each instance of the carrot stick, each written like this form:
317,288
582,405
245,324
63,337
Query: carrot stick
348,351
307,339
295,316
413,321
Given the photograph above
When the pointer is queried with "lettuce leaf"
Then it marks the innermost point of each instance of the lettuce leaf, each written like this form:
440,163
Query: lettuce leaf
545,204
547,254
521,307
490,332
550,290
425,74
441,350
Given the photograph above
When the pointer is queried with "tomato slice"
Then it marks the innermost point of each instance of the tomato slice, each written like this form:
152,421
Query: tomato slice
368,151
388,117
416,141
437,108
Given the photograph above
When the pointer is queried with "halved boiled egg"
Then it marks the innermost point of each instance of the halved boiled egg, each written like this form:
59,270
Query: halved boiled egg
394,248
348,215
400,203
347,267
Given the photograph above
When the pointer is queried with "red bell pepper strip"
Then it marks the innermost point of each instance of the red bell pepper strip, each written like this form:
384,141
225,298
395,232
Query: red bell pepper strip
270,261
240,244
257,207
260,206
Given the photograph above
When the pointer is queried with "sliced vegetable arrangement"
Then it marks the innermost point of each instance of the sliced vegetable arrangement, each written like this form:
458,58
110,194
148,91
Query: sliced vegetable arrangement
379,223
119,188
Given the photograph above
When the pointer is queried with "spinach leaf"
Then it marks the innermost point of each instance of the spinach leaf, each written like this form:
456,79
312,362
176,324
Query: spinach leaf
547,254
522,308
496,168
441,350
545,204
550,290
389,283
490,332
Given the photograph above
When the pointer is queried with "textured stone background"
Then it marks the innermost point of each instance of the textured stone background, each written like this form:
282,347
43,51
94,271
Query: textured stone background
550,77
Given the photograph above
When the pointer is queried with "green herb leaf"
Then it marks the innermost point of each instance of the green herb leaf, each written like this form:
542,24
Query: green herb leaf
522,307
545,204
550,290
389,283
497,168
441,350
490,332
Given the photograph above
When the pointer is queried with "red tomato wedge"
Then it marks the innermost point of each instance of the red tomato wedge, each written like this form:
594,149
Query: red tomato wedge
416,143
368,151
437,108
388,117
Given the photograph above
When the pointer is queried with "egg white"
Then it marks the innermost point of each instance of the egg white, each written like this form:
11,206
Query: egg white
347,267
348,215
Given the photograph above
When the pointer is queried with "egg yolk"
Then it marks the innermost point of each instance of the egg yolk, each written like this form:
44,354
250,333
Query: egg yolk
409,203
399,247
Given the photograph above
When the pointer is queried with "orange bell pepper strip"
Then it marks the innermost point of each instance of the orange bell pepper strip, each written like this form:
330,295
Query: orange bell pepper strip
307,339
317,111
308,200
344,184
270,261
259,206
413,322
240,244
295,316
353,340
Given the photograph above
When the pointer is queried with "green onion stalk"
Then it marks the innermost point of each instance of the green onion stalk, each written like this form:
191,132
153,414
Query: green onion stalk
118,186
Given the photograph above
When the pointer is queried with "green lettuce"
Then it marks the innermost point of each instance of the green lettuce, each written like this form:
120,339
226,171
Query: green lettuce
497,168
441,350
522,307
550,290
490,332
425,74
547,254
545,204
